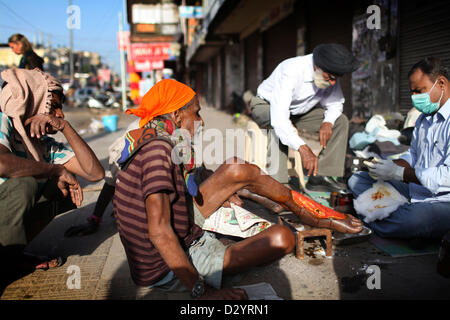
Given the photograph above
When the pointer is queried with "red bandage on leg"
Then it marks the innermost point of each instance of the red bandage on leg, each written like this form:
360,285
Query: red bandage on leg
320,211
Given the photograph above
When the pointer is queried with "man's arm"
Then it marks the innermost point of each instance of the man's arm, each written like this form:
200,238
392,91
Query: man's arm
85,163
281,99
333,103
166,242
409,175
12,166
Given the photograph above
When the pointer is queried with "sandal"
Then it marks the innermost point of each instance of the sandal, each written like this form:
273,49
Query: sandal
50,264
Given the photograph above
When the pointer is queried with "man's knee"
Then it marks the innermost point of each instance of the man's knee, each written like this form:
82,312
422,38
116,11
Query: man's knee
282,238
23,189
359,180
237,170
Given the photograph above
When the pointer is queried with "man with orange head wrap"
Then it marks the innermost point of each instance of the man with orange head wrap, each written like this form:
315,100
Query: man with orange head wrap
164,247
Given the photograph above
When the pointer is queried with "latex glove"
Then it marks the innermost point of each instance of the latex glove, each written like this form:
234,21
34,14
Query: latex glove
385,170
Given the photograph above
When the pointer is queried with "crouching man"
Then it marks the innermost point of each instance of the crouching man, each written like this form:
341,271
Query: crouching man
37,174
154,196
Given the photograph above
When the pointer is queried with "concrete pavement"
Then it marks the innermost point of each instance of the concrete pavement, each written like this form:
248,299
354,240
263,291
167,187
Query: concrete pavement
100,259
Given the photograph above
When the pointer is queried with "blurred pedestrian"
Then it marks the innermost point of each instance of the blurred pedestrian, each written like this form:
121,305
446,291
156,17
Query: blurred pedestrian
20,45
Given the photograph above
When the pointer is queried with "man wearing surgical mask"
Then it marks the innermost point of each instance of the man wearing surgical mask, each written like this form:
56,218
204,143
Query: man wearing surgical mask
303,94
422,175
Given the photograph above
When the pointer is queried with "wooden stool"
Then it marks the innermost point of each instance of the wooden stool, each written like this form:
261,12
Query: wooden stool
309,232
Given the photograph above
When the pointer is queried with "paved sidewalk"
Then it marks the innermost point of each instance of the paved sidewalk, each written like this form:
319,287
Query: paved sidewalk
105,274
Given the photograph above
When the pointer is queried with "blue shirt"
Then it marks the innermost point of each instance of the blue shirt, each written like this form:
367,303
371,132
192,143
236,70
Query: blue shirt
429,155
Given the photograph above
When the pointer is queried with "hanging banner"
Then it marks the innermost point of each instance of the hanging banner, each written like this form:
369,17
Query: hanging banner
150,51
188,12
148,65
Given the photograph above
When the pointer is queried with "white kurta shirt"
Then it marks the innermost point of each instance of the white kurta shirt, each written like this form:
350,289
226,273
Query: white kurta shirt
290,90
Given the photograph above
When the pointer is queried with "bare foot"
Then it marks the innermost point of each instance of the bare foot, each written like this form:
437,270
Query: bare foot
348,225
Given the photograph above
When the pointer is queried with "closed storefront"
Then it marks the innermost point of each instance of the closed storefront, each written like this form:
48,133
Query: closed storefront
424,32
279,43
252,47
331,21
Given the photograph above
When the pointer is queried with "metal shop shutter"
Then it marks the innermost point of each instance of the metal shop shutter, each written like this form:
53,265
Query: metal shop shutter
424,31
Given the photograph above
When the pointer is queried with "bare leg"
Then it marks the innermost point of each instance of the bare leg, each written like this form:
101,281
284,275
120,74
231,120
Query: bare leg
269,204
92,225
263,248
235,175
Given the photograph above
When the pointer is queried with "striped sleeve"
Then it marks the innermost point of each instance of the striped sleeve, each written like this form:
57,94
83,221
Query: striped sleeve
157,168
57,153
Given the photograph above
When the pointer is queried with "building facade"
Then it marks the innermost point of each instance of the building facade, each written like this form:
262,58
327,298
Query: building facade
238,43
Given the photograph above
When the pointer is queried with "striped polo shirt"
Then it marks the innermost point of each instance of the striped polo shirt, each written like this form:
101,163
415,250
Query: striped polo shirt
151,171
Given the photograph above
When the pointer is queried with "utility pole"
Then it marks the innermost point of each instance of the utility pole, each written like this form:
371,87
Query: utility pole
122,64
71,51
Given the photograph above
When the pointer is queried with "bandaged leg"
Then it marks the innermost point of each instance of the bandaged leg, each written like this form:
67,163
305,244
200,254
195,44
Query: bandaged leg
236,175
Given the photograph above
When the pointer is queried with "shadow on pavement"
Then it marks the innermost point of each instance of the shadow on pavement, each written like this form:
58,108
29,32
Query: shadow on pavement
122,287
365,272
52,241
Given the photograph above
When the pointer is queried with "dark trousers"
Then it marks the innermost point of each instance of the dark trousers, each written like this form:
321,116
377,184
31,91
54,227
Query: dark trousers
26,209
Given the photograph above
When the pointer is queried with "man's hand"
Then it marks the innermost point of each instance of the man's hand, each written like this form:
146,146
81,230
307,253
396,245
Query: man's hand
43,124
67,183
224,294
233,199
309,159
385,170
325,133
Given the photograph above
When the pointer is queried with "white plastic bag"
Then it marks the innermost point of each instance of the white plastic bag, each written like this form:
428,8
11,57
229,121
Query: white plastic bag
378,202
376,126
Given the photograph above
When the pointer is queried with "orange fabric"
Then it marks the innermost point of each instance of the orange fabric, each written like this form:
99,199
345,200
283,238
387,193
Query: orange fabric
320,211
166,96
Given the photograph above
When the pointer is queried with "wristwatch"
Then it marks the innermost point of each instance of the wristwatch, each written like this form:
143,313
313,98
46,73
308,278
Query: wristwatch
198,289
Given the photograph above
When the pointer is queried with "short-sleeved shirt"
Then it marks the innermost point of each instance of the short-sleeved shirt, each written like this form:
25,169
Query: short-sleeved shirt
54,152
151,171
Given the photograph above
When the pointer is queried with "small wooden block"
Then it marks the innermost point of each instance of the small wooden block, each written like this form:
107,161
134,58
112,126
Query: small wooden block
302,235
309,232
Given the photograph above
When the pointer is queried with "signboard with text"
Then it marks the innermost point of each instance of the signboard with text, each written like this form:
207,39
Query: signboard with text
150,51
147,65
189,12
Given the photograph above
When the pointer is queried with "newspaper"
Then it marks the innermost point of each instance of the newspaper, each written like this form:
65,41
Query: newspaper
260,291
235,221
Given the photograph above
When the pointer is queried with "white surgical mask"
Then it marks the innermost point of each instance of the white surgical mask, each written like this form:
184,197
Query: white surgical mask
319,80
